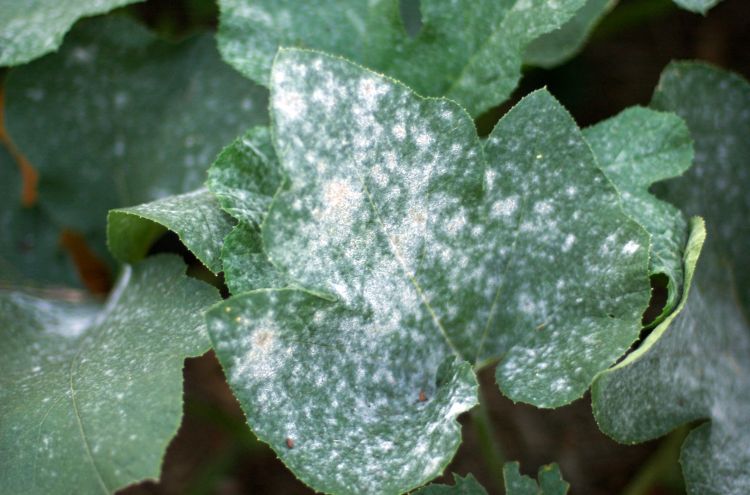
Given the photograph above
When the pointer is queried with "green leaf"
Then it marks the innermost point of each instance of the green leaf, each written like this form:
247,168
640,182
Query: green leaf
91,395
699,6
549,476
695,365
558,46
119,117
246,175
469,51
341,422
413,249
244,179
550,483
462,486
635,149
30,29
571,266
246,264
195,217
715,104
30,253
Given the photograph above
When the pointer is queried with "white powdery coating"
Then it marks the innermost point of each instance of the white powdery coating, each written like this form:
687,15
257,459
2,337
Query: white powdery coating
570,239
504,207
291,105
264,356
355,223
630,247
392,229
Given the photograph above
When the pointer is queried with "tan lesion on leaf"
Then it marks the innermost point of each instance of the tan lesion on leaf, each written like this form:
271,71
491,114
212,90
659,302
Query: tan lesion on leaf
263,339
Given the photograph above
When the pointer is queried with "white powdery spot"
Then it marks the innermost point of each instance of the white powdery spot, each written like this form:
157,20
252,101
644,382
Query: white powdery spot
324,98
630,247
504,207
568,243
390,160
290,104
527,305
424,140
457,223
340,199
262,359
380,177
489,178
370,91
543,207
399,130
560,385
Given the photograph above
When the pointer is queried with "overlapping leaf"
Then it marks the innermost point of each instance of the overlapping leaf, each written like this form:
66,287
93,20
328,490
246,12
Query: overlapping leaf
635,149
561,44
461,486
244,179
413,250
470,51
195,217
29,29
550,481
90,395
119,118
695,365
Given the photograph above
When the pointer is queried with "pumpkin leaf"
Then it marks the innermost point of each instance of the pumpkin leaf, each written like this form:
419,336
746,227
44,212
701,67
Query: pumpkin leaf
31,29
635,149
30,252
695,364
195,217
406,249
126,119
556,47
91,394
461,486
244,179
549,482
469,51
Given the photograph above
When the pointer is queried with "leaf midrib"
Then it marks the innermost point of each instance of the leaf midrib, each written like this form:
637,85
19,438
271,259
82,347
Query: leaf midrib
401,263
79,421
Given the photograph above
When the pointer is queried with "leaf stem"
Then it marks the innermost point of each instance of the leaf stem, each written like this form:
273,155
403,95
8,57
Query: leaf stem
663,465
492,452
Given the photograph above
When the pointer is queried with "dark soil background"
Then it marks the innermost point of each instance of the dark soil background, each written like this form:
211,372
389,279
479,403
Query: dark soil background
214,451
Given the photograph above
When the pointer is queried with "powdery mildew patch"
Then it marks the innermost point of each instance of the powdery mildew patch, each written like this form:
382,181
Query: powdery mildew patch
423,250
195,217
